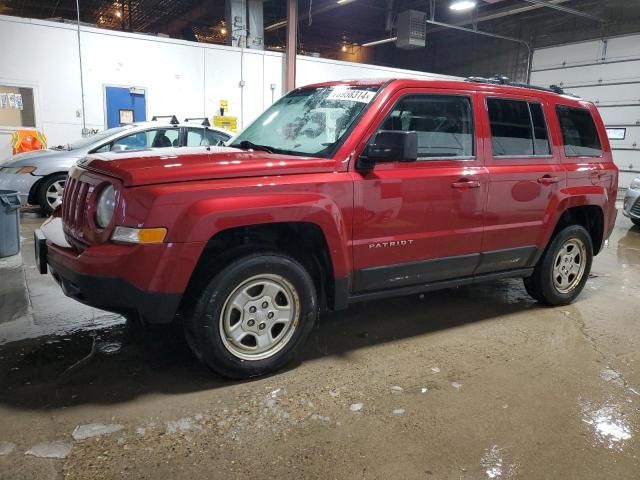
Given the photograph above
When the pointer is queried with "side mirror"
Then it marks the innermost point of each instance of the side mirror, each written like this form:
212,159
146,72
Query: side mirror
118,148
390,146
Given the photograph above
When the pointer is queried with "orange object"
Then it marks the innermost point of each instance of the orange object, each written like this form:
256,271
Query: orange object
27,141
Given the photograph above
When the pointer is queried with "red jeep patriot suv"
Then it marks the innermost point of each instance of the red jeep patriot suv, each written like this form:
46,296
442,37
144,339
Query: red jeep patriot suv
338,193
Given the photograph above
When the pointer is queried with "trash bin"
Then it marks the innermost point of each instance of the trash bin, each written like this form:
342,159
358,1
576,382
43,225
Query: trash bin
9,223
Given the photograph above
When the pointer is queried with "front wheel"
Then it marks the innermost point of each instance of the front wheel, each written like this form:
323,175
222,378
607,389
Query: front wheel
563,270
253,316
636,221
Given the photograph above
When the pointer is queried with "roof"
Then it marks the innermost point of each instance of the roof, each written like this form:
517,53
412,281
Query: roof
458,83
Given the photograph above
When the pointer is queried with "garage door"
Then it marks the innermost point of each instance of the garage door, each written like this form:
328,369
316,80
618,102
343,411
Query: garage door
608,73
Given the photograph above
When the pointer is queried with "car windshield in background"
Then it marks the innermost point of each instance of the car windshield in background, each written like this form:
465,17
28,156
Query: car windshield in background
88,141
309,121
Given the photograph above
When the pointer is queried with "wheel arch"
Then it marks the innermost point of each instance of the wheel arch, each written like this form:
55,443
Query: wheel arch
305,242
591,217
32,199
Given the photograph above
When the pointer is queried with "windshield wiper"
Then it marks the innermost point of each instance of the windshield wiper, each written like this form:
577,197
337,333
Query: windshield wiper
247,145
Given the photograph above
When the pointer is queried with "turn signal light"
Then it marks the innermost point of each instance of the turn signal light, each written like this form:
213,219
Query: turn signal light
138,235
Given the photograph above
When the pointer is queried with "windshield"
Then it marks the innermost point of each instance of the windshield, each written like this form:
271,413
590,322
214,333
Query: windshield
309,121
89,141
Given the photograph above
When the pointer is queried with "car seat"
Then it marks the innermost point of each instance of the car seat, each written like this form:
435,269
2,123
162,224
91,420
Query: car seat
161,141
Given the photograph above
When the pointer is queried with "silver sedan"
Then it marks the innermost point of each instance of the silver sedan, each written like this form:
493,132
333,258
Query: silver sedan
631,205
39,177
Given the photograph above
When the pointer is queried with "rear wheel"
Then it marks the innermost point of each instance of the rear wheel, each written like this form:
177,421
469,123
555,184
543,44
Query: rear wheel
564,268
253,316
50,192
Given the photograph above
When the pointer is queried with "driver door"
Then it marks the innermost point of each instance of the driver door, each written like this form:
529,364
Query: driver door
422,222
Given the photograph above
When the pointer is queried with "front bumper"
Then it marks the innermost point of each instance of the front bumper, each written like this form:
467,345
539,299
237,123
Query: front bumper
631,204
116,278
21,183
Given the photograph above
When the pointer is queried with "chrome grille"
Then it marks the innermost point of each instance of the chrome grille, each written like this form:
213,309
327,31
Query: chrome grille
636,207
74,207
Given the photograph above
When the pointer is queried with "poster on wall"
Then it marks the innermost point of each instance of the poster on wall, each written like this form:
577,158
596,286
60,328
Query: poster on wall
18,97
126,116
4,100
12,100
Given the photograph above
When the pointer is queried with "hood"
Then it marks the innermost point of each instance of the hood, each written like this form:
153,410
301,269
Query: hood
184,164
35,158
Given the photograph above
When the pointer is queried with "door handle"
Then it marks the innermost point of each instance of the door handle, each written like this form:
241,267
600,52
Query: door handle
548,180
465,183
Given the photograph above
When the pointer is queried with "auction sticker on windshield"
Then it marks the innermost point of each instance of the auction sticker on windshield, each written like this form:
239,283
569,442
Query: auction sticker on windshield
363,96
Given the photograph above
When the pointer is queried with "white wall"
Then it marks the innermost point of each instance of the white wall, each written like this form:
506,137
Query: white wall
608,73
179,77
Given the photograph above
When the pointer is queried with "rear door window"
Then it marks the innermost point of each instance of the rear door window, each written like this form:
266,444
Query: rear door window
200,137
579,132
518,128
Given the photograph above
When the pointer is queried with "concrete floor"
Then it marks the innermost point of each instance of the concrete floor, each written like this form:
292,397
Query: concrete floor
469,383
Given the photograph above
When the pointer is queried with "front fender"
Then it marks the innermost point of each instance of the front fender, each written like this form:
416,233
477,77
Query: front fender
205,218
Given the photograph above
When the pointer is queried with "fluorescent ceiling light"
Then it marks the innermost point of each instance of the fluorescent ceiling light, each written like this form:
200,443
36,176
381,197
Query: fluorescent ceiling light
461,5
380,42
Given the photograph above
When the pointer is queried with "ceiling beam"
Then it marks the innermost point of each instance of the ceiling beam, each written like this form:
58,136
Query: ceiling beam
507,12
544,3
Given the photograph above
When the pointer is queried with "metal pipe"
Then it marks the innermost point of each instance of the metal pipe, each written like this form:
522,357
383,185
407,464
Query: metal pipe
560,8
84,122
379,42
321,9
292,45
487,34
514,11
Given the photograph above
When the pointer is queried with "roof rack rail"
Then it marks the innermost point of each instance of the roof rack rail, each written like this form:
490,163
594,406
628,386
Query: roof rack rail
502,80
174,120
205,121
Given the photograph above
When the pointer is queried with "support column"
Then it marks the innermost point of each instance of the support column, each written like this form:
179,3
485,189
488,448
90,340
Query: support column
236,17
292,45
245,21
255,39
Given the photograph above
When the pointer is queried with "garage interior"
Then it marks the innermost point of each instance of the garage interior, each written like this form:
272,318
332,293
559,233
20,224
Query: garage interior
473,382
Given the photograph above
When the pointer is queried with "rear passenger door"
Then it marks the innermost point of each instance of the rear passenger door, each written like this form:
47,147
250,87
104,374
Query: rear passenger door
421,222
524,180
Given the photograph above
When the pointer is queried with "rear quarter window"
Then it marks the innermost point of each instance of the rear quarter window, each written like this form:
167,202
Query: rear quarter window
579,133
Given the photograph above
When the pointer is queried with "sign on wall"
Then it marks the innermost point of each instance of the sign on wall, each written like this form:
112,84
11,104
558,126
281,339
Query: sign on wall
17,107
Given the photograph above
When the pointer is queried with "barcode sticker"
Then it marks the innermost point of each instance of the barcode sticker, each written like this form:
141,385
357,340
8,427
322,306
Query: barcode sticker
362,96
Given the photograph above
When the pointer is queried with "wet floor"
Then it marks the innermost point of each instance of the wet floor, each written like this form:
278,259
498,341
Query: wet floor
470,383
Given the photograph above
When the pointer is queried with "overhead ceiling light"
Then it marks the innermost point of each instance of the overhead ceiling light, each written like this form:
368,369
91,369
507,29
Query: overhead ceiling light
462,5
276,25
380,42
344,2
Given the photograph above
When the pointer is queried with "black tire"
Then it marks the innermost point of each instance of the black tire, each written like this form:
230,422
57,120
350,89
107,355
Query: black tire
44,200
542,286
205,324
636,221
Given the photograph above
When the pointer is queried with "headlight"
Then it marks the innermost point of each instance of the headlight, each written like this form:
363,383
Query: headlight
22,170
106,207
635,185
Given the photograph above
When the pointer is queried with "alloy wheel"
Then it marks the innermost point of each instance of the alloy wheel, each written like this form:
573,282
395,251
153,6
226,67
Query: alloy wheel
259,317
